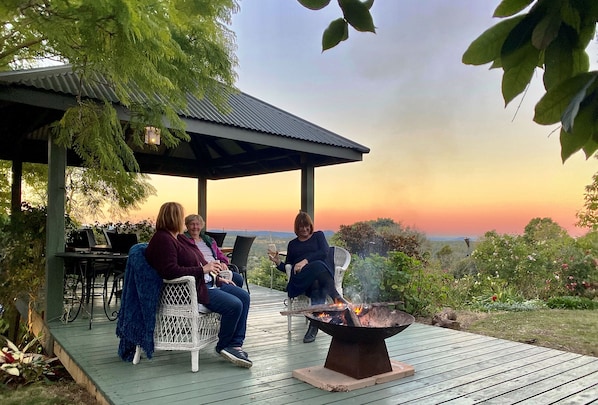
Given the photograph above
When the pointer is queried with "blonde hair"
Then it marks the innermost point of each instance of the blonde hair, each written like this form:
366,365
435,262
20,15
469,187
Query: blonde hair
170,217
194,217
303,219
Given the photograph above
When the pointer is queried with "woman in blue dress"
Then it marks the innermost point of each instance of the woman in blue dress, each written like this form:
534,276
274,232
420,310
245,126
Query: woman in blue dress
311,274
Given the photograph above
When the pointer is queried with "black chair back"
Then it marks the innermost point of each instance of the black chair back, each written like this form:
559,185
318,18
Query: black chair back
107,234
240,254
217,236
84,238
122,242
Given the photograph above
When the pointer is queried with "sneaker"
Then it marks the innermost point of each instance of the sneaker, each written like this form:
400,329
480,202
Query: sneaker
236,356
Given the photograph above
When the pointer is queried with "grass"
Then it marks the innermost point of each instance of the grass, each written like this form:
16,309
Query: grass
568,330
64,392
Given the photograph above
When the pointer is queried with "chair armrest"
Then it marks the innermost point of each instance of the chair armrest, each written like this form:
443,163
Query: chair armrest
179,291
287,269
180,280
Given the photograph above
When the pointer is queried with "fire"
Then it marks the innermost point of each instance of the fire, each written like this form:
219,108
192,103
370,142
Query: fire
358,310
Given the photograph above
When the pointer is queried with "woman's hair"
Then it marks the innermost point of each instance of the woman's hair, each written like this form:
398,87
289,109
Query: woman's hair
303,219
194,217
170,217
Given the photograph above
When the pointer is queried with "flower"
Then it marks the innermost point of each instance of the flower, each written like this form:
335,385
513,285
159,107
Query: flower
494,298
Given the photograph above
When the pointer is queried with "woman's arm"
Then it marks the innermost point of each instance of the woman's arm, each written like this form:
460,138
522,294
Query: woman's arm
171,260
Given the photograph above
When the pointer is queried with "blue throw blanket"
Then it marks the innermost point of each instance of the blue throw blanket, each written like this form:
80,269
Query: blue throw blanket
140,297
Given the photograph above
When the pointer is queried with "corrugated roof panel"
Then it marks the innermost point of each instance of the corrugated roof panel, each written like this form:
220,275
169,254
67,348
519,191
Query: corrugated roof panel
247,112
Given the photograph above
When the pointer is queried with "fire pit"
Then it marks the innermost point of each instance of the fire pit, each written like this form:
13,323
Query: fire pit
358,348
357,356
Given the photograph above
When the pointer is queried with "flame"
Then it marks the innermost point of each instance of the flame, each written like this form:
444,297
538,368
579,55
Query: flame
358,310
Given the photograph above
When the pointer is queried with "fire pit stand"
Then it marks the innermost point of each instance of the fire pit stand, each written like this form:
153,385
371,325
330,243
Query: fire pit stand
358,360
357,356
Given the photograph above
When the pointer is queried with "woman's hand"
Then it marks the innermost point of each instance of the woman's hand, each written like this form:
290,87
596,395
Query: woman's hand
274,257
300,265
212,267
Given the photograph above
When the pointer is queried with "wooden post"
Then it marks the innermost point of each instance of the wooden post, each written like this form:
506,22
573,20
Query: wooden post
55,231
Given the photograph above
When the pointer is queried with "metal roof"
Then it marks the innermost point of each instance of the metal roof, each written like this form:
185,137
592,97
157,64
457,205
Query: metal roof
254,137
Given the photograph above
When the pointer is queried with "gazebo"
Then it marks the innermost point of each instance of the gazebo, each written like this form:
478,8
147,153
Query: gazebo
253,138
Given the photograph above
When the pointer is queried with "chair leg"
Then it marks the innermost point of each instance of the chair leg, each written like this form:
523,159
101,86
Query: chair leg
195,361
137,355
244,273
289,322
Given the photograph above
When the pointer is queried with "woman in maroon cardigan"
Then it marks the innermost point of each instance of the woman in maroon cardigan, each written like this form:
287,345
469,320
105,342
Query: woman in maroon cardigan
173,255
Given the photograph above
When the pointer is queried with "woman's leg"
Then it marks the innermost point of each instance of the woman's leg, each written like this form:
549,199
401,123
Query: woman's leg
316,295
326,286
232,303
238,279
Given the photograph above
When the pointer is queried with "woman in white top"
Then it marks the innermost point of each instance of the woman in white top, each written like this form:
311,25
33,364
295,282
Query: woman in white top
208,247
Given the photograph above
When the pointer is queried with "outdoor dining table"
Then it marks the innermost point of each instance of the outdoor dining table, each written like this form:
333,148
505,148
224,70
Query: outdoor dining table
85,262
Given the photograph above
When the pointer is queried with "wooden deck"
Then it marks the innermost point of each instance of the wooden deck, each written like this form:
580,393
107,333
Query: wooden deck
450,367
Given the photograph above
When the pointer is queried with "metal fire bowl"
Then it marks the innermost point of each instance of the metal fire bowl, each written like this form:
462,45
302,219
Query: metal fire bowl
384,323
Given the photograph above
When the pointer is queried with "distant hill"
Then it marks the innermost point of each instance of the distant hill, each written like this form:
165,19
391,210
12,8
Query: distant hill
290,235
274,234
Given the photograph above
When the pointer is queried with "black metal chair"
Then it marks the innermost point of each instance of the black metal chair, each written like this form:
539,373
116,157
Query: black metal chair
217,236
240,254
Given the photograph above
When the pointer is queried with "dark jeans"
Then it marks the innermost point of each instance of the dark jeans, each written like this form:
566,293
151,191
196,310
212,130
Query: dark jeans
238,279
232,302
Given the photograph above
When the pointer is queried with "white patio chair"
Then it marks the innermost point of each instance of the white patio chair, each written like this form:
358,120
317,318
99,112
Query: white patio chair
182,323
342,259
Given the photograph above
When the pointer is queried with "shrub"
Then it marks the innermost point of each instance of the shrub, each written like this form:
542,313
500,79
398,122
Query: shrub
264,274
24,366
568,302
398,277
22,255
379,237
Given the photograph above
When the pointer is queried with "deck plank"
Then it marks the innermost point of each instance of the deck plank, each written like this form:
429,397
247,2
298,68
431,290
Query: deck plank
450,367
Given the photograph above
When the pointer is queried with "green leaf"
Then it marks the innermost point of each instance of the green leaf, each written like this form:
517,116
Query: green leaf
581,133
337,31
559,60
590,147
569,117
511,7
368,3
314,4
358,15
546,31
516,78
552,105
518,43
486,48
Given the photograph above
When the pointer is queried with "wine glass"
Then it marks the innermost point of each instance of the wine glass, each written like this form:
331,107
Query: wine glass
272,251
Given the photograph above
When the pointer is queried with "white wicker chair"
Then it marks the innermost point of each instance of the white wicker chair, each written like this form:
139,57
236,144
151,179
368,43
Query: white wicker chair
182,323
342,259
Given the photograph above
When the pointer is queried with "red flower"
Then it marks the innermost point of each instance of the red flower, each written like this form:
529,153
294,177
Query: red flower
494,298
9,357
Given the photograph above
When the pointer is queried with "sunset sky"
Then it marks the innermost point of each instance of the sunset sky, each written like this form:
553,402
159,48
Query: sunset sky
447,158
